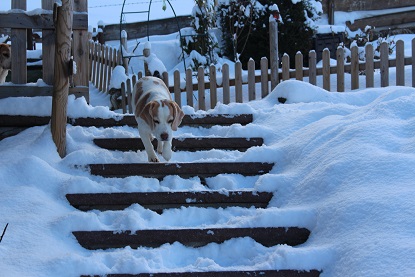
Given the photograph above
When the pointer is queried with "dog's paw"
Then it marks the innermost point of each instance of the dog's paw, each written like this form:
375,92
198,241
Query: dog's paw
153,159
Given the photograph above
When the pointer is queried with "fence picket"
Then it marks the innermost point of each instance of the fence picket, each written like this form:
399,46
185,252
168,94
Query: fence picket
106,69
400,63
251,80
123,98
238,82
384,64
129,96
285,67
201,87
326,69
176,89
370,66
312,73
264,77
213,86
340,69
189,87
299,66
354,71
225,84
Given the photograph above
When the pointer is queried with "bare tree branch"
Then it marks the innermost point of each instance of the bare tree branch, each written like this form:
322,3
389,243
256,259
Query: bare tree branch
4,231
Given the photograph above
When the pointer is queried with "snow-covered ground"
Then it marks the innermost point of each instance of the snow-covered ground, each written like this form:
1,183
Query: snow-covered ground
344,169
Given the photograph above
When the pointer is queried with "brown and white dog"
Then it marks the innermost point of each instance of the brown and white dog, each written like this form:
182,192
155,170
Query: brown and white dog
5,61
157,116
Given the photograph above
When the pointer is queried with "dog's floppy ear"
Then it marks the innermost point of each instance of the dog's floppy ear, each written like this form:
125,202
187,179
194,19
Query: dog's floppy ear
178,115
149,112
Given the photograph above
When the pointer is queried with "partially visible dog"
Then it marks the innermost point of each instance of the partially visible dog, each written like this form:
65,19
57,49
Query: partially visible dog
5,61
157,116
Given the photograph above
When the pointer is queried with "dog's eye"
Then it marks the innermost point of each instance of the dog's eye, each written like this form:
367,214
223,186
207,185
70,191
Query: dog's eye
156,121
7,55
170,121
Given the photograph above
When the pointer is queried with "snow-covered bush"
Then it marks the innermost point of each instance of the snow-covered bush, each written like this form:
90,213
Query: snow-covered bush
198,41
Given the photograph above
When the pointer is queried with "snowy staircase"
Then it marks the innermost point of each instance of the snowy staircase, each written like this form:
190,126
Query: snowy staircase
160,201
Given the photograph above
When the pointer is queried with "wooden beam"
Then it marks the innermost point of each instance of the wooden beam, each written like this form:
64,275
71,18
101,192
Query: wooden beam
267,236
22,20
33,91
158,201
249,273
186,144
185,170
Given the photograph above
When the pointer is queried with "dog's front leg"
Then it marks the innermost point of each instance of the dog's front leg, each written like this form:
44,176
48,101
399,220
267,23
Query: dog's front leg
167,150
146,138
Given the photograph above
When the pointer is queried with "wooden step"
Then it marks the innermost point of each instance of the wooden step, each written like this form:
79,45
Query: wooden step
157,201
205,120
129,120
185,170
185,144
267,236
258,273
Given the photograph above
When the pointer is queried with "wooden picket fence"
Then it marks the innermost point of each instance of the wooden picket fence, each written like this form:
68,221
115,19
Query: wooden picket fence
195,86
102,60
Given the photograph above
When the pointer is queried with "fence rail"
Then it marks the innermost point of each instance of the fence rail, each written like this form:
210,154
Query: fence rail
191,89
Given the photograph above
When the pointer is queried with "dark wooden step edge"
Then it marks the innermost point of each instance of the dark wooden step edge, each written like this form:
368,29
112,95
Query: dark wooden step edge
157,201
129,120
185,144
267,236
254,273
185,170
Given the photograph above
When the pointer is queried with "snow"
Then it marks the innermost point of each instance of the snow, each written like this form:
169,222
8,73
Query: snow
344,169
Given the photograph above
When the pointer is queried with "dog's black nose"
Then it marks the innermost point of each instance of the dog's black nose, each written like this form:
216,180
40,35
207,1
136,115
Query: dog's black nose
164,136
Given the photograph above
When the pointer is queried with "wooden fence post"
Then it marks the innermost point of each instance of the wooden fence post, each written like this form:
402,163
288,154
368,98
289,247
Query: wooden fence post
63,16
238,82
273,47
18,36
225,84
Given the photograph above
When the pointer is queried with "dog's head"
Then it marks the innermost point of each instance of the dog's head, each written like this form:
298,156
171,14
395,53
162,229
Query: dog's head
5,56
163,117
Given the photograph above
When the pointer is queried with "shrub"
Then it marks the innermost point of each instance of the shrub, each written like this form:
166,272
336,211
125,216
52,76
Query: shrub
245,27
